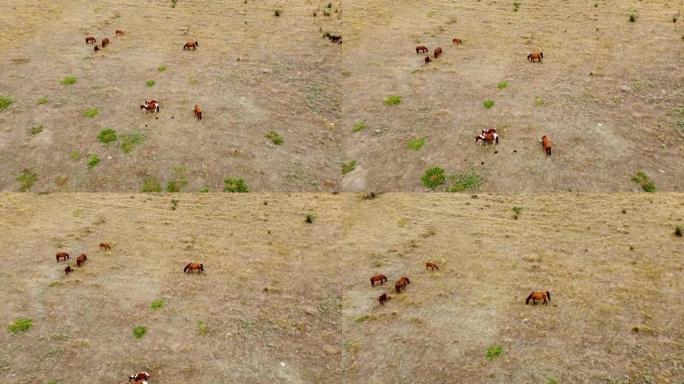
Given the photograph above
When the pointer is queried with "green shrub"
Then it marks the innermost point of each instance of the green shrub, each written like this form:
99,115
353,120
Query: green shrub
75,155
140,331
37,129
433,178
416,144
644,181
310,217
348,166
179,181
173,3
107,136
488,103
93,160
494,352
275,137
150,185
27,178
128,141
90,112
5,101
204,190
235,185
42,100
161,68
202,328
157,304
359,126
465,181
538,101
20,325
502,84
69,80
150,83
392,100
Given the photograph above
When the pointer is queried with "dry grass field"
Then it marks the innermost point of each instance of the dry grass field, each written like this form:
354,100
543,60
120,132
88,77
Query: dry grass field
609,94
285,301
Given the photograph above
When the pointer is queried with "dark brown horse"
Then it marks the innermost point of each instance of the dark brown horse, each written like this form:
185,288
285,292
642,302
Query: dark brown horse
190,44
62,255
535,56
140,376
545,297
335,39
119,32
81,259
105,246
457,41
91,40
421,49
68,270
427,60
105,42
191,267
96,48
438,52
383,298
546,145
378,278
432,266
401,284
198,112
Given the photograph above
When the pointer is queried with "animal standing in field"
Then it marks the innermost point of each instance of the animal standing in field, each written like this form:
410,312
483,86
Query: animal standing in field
432,266
378,278
546,145
535,56
191,267
488,137
140,376
150,106
91,40
545,297
190,44
81,259
119,32
198,112
401,284
105,42
68,270
62,255
427,60
421,49
96,48
105,246
335,39
383,298
457,41
438,52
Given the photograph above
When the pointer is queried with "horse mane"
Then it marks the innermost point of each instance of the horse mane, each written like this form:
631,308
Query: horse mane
529,298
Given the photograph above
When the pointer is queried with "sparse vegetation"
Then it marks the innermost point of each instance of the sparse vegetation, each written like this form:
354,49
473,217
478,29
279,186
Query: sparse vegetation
20,325
516,212
433,178
69,80
275,137
75,155
36,129
27,178
235,185
538,101
107,136
488,103
93,160
645,182
179,181
679,119
157,304
139,332
173,3
348,166
632,17
552,381
310,217
465,181
277,13
359,126
128,141
416,144
90,112
516,5
42,100
678,231
5,101
494,351
202,328
502,84
204,190
150,185
392,100
161,68
174,204
150,83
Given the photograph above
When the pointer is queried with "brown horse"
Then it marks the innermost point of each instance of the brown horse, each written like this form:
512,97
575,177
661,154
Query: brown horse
401,284
427,60
438,52
383,298
545,297
150,106
546,145
457,41
119,32
421,49
81,259
96,48
62,255
140,376
535,56
198,112
335,39
378,278
105,42
191,267
190,44
105,246
488,137
91,40
68,270
432,266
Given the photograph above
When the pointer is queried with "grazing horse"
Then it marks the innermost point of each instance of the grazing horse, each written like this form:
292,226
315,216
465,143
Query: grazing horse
457,41
535,56
378,278
191,267
336,39
105,42
190,44
68,270
401,284
383,298
91,40
105,246
421,49
545,297
488,137
198,112
546,145
80,260
96,48
119,32
438,52
140,376
431,266
62,255
150,106
427,60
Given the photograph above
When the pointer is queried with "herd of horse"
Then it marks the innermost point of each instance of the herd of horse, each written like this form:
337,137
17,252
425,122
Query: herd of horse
104,42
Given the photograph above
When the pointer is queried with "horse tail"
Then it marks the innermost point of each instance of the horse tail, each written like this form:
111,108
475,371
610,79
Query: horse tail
548,295
541,54
528,299
186,268
202,267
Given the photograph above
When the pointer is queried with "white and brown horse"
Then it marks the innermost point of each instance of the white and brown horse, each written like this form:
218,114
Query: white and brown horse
488,136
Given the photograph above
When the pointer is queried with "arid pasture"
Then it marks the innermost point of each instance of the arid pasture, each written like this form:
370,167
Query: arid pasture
286,301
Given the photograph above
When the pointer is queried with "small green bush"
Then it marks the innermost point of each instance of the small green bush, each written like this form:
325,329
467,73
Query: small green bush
5,101
140,331
494,352
310,217
150,83
204,190
538,101
516,212
161,68
392,100
20,325
157,304
416,144
27,178
502,84
107,136
359,126
235,185
645,182
93,160
129,140
42,100
91,112
348,166
151,185
75,155
173,3
69,80
433,178
202,328
488,103
275,137
37,129
465,181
